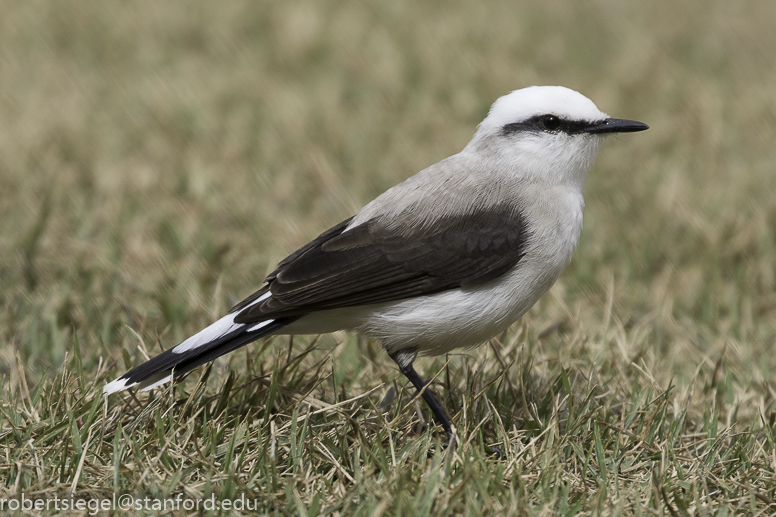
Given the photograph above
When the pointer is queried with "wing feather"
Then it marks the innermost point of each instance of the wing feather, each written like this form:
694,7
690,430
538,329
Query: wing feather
377,262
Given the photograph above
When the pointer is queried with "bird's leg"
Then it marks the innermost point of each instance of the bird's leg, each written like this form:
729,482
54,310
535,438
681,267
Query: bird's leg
404,359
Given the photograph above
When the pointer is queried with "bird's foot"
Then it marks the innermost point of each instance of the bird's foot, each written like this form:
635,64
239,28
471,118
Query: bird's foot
496,451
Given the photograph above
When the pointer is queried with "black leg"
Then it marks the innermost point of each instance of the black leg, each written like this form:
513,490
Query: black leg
404,359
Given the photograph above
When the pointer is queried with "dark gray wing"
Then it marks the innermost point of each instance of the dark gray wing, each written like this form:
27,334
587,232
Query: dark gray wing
375,262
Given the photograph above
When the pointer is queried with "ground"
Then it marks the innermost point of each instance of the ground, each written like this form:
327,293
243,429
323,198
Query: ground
158,158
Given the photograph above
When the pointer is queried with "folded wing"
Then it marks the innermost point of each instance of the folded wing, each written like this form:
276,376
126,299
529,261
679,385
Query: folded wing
376,262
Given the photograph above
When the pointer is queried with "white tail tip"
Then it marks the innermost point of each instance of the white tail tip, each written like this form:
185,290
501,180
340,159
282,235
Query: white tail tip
117,385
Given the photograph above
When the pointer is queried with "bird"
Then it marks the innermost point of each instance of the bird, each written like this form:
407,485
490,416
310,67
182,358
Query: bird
446,259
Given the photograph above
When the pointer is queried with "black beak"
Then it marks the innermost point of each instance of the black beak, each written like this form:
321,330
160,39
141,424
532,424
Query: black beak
616,125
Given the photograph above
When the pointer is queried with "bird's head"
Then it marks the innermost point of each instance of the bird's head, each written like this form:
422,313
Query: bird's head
546,133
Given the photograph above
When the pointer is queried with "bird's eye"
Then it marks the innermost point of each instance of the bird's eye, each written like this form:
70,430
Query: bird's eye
550,122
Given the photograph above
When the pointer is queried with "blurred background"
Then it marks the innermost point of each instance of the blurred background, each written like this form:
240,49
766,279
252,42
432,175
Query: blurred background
158,158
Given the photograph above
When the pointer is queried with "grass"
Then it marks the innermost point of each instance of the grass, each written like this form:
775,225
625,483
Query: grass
157,160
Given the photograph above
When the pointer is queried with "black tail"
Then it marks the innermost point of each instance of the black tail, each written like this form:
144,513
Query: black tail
159,369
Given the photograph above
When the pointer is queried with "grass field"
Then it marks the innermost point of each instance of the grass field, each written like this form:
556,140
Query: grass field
158,158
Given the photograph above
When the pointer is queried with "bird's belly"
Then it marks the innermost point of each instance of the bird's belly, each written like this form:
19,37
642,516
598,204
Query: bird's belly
461,318
430,324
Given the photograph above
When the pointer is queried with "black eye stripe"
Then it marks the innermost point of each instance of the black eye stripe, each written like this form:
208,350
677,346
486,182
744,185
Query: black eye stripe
548,123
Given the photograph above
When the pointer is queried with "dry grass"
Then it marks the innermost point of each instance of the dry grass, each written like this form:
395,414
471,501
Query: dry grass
156,159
